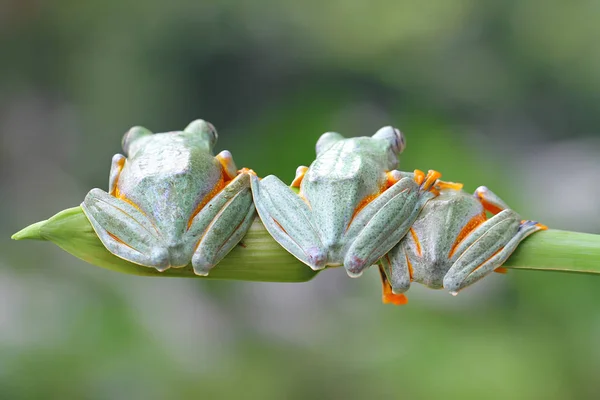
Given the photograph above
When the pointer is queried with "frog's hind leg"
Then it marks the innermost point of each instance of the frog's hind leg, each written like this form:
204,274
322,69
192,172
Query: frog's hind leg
289,220
125,231
221,224
489,245
388,296
396,274
383,222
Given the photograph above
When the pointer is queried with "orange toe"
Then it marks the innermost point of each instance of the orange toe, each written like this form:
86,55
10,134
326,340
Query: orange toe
419,176
395,299
440,185
246,171
432,177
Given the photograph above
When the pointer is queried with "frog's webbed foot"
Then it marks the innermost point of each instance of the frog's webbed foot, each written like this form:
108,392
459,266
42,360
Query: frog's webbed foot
489,245
382,223
288,219
427,181
221,224
125,231
388,296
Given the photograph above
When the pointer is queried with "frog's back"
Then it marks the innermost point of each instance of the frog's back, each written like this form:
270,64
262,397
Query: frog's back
437,232
348,159
167,179
340,179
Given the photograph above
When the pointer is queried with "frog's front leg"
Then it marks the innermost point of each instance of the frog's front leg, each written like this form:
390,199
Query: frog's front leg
289,220
221,224
226,160
116,166
489,245
300,173
124,230
383,222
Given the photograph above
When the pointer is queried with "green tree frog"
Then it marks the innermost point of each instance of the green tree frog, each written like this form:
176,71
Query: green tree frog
352,206
453,244
171,201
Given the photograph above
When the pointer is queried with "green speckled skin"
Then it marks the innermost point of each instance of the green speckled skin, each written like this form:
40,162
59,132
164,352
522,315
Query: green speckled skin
484,248
171,201
320,226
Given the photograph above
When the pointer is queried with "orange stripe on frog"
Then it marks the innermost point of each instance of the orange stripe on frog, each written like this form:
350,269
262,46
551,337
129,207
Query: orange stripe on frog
363,203
417,243
121,196
390,181
120,241
410,267
468,228
488,259
220,185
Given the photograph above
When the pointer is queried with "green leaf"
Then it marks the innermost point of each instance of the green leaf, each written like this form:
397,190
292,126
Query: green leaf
257,258
555,250
260,258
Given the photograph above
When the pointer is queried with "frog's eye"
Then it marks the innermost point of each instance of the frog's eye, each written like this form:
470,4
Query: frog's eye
131,136
327,140
393,136
213,133
205,129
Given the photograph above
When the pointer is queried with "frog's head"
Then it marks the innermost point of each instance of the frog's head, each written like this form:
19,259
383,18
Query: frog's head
204,132
387,139
395,143
327,140
199,131
130,141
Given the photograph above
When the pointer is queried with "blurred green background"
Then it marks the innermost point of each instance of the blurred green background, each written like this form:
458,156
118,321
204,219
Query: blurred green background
501,93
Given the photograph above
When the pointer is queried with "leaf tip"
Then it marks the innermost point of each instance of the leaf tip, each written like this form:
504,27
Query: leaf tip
32,232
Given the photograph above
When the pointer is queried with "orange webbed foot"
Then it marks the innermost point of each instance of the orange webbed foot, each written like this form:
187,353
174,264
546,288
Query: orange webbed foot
388,296
419,176
443,185
395,299
246,171
541,227
427,181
